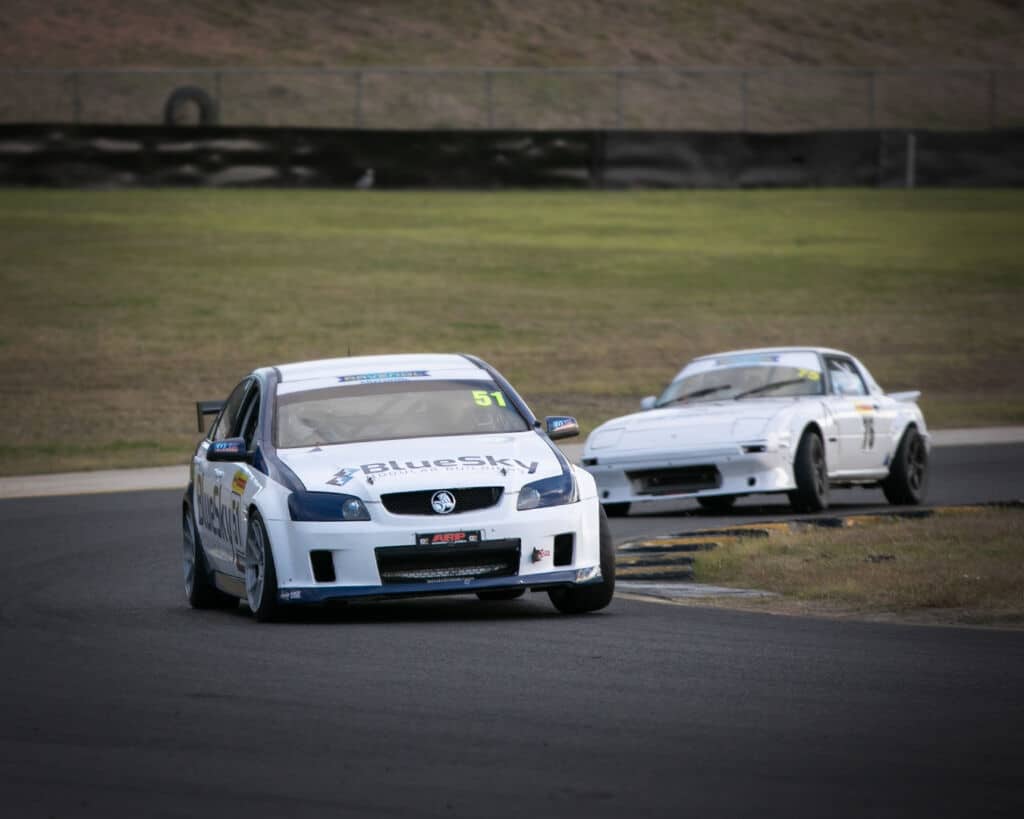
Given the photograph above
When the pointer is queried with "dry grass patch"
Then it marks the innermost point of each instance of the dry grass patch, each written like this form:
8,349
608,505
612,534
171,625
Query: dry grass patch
122,308
959,566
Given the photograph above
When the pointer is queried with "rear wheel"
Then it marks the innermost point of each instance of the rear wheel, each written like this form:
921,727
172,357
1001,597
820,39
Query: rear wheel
908,477
501,594
615,510
580,599
717,503
260,575
811,473
199,589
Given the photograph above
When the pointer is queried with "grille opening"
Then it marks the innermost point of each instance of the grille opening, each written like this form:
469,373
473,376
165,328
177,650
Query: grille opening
468,499
563,549
677,480
427,564
323,565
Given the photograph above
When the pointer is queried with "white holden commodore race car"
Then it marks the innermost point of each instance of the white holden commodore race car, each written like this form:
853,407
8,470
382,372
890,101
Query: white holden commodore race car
388,476
790,419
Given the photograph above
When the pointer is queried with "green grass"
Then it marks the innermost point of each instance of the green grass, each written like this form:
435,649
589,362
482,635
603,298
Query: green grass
959,566
121,308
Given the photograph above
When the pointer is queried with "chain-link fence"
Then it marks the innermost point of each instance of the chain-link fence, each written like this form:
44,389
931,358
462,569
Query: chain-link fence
687,99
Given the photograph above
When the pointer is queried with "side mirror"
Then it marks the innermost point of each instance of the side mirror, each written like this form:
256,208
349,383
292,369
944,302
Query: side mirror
648,402
561,426
230,449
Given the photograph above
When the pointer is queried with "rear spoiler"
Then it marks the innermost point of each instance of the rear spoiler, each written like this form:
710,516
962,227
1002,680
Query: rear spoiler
908,397
204,408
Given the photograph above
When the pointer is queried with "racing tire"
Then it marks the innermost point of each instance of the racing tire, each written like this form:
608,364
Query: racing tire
717,503
581,599
199,589
811,474
260,574
615,510
181,98
501,594
907,483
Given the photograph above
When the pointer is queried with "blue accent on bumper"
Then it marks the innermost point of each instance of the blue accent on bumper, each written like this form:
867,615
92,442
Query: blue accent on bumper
320,594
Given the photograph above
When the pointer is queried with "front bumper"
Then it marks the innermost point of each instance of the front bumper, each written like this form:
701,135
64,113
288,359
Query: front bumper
619,475
353,546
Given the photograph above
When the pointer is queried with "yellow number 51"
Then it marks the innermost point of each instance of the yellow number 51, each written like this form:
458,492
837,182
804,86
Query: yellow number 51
482,398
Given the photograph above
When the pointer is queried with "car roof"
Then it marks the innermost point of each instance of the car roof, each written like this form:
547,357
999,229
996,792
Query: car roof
382,367
754,350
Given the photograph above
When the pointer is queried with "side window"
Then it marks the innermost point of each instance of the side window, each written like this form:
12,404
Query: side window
250,416
228,420
845,378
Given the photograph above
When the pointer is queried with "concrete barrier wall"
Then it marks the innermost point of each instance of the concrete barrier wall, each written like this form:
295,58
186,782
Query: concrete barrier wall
115,156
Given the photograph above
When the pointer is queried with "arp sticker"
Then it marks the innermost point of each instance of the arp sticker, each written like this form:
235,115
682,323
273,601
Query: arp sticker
239,482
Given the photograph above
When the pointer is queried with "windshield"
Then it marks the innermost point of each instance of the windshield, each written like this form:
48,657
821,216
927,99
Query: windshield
761,375
376,412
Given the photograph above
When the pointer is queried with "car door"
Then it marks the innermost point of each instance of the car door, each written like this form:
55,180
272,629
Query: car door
241,481
856,413
212,491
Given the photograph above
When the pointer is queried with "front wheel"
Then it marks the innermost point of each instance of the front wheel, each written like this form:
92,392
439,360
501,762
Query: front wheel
811,474
580,599
260,575
908,477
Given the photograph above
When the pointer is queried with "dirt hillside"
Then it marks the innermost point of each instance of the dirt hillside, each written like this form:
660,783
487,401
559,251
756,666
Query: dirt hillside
93,33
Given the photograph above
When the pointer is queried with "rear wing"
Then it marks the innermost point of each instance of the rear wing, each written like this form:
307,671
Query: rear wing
204,408
908,397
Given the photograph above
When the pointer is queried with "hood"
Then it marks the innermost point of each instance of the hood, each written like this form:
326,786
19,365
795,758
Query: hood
375,467
709,422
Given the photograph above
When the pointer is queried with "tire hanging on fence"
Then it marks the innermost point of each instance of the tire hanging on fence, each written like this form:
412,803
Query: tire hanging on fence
186,95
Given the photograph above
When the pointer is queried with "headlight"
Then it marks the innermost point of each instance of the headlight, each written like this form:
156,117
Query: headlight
548,492
321,506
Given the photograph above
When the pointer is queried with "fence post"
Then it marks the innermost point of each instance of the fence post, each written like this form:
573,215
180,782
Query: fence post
357,104
217,97
871,100
489,97
992,110
618,100
743,101
911,174
76,98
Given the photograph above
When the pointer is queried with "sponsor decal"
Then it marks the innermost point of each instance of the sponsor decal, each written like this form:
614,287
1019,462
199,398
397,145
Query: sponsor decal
540,554
239,482
370,378
381,469
461,462
342,476
220,517
864,407
227,446
740,360
293,594
447,538
558,423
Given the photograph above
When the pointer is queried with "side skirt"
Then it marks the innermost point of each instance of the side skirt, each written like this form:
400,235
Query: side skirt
234,586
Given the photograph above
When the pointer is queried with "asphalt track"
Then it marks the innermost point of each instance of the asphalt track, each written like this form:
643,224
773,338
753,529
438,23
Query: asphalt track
118,700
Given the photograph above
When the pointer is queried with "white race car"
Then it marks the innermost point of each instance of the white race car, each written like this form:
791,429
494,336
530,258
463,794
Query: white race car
789,419
388,476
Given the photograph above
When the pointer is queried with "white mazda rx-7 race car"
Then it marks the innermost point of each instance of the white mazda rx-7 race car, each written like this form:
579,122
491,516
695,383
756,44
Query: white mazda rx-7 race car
388,476
790,419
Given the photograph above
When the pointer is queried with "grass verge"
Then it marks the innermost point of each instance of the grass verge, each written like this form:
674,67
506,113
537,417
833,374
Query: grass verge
963,566
122,308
